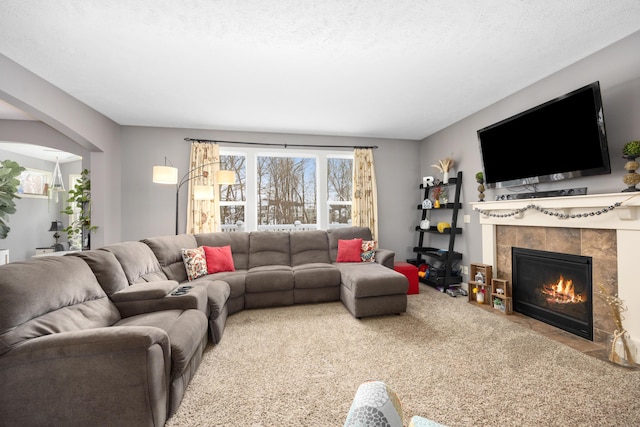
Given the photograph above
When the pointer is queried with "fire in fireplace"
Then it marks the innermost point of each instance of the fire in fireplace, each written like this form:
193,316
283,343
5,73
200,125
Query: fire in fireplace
555,288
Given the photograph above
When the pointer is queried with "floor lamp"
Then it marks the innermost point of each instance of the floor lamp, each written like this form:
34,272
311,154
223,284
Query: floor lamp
169,175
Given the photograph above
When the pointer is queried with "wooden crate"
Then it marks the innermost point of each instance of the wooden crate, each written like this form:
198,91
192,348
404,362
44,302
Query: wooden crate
500,290
486,271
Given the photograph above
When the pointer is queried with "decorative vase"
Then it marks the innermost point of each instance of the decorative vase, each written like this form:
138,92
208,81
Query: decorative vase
631,178
621,349
480,297
445,177
481,192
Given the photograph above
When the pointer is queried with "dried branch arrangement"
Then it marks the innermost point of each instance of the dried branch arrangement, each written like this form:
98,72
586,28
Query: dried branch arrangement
444,164
616,305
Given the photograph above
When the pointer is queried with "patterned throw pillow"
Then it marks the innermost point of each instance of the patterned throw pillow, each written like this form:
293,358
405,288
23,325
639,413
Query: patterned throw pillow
195,262
368,253
375,404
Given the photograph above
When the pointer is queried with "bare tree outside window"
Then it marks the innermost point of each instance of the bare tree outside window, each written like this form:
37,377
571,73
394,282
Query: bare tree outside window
286,190
339,186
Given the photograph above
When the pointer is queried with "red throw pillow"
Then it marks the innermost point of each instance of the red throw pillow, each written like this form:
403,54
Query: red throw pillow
219,259
349,250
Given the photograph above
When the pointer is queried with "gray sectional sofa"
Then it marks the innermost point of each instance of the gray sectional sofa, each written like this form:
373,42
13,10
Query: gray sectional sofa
113,336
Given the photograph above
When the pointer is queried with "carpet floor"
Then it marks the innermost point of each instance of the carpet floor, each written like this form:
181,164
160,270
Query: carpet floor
447,360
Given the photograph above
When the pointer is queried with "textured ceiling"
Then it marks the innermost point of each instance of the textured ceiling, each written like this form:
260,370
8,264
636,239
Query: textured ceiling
377,68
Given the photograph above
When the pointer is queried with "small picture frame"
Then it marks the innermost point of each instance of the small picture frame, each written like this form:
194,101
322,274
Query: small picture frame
34,183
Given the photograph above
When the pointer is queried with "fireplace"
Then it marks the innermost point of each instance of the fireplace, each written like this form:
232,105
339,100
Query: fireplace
555,288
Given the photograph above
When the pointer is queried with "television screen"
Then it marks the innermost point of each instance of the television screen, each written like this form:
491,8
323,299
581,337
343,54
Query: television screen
560,139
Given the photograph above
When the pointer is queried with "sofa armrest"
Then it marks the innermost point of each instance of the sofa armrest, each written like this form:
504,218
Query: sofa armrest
385,257
156,296
120,374
144,291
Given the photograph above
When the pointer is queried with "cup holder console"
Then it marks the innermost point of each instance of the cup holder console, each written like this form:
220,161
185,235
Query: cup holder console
182,290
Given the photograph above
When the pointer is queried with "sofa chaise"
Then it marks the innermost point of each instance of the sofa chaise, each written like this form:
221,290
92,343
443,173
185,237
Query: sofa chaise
113,336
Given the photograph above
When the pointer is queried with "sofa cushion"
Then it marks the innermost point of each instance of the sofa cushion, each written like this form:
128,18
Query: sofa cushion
219,259
345,233
371,279
106,268
315,275
269,278
239,242
235,279
168,251
49,295
138,262
309,247
269,248
185,328
349,250
195,262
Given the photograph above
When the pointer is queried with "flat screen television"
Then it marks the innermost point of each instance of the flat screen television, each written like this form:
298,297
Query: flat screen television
560,139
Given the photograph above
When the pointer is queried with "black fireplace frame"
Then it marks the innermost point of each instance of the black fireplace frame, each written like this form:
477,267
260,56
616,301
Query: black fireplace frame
570,324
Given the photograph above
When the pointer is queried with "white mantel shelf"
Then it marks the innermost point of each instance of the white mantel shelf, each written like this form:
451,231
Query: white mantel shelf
625,219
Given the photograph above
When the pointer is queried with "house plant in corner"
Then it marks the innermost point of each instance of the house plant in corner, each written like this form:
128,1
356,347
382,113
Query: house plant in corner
80,208
9,171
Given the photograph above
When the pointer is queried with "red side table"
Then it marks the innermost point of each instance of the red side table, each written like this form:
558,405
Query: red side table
410,271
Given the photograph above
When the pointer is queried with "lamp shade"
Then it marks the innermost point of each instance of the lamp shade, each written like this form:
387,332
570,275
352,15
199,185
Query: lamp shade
165,175
56,226
203,192
225,177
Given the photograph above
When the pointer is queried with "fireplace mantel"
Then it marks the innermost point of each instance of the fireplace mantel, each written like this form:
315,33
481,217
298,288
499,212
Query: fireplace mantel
624,216
585,212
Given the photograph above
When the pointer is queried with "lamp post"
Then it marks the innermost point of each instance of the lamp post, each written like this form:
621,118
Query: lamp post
169,175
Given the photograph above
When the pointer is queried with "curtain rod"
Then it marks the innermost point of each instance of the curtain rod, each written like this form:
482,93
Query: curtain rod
282,145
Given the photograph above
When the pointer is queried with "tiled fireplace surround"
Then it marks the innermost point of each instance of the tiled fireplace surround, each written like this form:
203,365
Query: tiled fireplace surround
611,238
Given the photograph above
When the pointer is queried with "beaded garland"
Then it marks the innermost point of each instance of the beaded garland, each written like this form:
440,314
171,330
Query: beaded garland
551,213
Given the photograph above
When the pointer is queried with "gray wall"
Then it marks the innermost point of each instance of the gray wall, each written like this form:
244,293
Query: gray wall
617,67
148,209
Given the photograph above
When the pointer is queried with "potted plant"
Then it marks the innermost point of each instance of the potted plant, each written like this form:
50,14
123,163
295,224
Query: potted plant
9,171
437,192
80,205
631,149
479,291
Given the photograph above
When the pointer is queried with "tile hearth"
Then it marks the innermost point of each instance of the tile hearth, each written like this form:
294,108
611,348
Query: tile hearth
587,347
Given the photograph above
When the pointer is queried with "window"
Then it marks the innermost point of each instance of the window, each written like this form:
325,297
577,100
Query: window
283,190
233,198
339,186
286,190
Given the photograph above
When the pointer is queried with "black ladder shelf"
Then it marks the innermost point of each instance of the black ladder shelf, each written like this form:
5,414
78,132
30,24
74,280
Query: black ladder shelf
442,277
